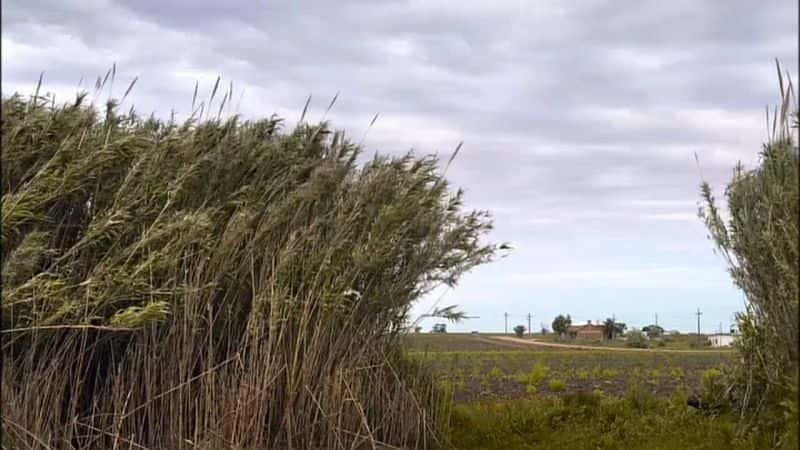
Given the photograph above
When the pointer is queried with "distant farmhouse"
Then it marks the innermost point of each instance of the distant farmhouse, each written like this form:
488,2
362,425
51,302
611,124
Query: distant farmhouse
721,339
589,331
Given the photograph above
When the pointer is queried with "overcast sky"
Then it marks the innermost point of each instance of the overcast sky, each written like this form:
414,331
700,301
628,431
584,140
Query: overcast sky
580,120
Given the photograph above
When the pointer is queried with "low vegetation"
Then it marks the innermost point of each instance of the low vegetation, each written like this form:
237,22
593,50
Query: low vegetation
595,421
523,398
761,246
477,369
215,283
636,339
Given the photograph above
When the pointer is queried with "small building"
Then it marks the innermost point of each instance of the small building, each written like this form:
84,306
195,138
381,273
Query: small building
590,331
721,339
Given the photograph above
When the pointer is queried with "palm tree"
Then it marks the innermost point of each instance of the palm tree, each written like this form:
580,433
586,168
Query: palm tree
612,328
609,328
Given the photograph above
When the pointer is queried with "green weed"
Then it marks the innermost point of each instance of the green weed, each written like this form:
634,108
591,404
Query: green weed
557,385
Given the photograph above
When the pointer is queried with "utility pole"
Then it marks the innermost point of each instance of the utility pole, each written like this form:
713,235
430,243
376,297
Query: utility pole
698,313
506,316
656,319
529,323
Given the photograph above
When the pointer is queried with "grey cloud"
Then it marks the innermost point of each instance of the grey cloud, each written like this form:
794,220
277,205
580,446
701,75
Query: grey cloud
571,113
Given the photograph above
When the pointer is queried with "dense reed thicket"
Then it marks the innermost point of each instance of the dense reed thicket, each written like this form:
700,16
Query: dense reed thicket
760,244
215,284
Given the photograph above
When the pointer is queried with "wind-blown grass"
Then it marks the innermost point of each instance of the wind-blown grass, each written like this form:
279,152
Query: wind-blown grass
215,284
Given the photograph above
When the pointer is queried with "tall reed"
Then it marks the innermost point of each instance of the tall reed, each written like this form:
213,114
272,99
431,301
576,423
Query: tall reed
760,244
217,283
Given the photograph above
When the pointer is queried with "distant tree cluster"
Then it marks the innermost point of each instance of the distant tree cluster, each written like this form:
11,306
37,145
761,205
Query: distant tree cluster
612,328
561,323
653,331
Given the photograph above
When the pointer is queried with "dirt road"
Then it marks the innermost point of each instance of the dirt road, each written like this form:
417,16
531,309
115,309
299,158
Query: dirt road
536,343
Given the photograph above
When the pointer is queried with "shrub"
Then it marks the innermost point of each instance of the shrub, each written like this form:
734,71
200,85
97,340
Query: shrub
636,339
713,388
178,282
557,385
608,374
582,402
639,398
538,372
496,372
519,330
703,343
583,422
760,245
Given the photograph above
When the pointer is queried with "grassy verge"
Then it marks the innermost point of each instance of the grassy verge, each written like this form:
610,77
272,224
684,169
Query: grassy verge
594,421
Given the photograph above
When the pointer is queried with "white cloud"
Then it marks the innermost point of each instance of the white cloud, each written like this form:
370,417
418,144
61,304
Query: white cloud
580,121
658,277
673,217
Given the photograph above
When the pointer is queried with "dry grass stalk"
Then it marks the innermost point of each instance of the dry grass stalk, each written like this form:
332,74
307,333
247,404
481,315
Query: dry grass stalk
190,285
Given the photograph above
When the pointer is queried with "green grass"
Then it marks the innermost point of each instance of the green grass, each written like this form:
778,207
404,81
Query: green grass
532,398
557,384
595,421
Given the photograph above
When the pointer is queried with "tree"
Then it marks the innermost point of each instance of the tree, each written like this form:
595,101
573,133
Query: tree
544,330
519,330
612,328
417,329
561,323
653,331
